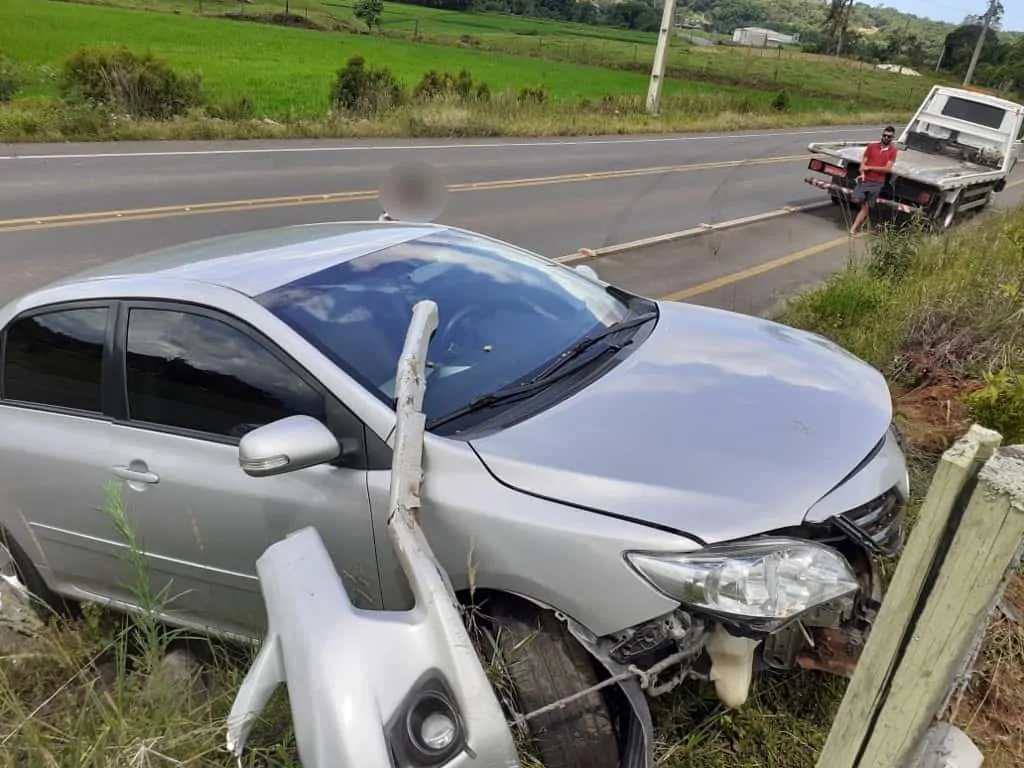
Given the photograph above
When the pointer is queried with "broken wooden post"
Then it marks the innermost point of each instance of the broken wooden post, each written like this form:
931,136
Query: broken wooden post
968,535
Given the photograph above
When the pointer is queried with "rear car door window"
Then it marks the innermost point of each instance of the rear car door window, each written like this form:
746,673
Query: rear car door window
193,372
55,359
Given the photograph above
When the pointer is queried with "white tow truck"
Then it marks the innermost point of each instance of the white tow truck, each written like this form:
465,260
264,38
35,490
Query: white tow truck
956,152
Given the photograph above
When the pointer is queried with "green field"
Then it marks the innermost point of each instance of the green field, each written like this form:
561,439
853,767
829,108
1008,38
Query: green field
286,71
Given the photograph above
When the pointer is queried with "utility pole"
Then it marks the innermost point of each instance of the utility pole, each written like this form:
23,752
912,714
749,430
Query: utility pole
985,21
668,18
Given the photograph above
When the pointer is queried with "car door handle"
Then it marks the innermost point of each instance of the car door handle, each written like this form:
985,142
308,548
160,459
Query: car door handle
134,476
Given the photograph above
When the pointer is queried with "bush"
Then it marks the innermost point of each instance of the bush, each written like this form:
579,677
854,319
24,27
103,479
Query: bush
138,84
999,405
434,85
781,101
537,94
10,79
365,91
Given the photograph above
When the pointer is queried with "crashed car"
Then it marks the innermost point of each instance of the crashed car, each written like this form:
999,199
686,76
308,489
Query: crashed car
663,490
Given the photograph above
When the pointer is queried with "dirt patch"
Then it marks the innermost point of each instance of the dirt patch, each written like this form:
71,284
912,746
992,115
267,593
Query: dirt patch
929,402
279,19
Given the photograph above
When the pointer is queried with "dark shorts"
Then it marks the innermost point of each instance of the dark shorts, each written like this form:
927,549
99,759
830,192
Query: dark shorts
867,192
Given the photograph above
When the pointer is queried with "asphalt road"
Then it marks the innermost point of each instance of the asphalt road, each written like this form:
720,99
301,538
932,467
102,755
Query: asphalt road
67,207
534,193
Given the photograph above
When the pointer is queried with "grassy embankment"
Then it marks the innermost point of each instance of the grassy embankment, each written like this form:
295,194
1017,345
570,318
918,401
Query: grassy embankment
935,314
268,80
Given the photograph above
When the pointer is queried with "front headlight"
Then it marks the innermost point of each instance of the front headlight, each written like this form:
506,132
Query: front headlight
764,582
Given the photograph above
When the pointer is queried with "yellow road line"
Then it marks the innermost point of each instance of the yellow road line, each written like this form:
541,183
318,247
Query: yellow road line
255,204
768,266
745,274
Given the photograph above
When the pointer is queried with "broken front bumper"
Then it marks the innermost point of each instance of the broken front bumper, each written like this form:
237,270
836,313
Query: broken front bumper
369,689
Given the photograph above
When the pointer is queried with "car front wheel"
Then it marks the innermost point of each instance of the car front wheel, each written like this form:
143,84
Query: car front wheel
544,663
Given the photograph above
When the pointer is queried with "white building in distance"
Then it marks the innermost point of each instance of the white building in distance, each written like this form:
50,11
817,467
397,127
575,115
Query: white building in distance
759,37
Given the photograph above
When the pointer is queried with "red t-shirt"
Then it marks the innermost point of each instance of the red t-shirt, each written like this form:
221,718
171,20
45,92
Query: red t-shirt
877,155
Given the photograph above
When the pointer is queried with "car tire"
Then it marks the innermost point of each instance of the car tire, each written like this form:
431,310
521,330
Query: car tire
545,663
14,562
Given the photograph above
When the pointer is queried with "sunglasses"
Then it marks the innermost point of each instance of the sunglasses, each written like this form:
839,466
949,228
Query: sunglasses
888,135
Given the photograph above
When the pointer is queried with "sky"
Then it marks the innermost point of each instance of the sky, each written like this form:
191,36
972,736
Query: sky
955,10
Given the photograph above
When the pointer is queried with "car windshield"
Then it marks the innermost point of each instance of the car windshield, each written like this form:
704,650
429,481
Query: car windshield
503,314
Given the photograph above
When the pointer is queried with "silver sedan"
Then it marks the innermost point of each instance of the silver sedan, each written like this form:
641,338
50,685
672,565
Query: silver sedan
643,481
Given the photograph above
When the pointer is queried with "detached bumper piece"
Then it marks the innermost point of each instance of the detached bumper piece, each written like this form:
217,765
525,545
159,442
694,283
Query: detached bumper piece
846,192
368,689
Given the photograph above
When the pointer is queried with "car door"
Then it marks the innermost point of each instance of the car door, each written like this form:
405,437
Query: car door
195,380
55,440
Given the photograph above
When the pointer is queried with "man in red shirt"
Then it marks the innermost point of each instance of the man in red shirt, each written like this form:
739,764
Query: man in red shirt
879,158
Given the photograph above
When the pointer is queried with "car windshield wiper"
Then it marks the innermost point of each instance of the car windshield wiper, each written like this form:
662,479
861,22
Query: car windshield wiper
546,378
587,342
510,393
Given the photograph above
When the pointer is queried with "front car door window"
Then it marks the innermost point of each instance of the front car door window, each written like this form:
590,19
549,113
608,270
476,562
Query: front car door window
195,382
196,373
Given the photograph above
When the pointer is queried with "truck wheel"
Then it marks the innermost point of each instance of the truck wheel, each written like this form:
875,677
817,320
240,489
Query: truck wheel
946,216
545,663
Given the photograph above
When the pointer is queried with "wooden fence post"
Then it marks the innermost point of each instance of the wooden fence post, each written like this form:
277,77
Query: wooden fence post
984,548
899,627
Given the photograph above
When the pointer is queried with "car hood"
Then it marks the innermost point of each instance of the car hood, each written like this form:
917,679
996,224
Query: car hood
719,426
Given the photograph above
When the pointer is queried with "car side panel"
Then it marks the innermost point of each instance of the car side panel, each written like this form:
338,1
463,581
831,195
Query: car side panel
205,523
53,471
489,536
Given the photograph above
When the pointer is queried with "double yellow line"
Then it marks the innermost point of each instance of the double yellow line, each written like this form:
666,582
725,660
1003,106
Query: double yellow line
262,203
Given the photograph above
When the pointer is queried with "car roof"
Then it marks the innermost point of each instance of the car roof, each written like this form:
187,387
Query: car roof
255,262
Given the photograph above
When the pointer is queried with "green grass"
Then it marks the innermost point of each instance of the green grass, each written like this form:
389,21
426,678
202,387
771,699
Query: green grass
94,691
807,74
286,71
946,298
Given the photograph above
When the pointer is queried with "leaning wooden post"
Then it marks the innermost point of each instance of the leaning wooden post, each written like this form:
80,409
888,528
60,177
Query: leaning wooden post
985,546
896,622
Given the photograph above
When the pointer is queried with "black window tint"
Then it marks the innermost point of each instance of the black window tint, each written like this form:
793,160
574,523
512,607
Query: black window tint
974,112
194,372
56,359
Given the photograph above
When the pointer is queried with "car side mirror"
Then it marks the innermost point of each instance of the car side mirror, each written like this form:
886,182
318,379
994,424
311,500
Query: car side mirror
286,445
